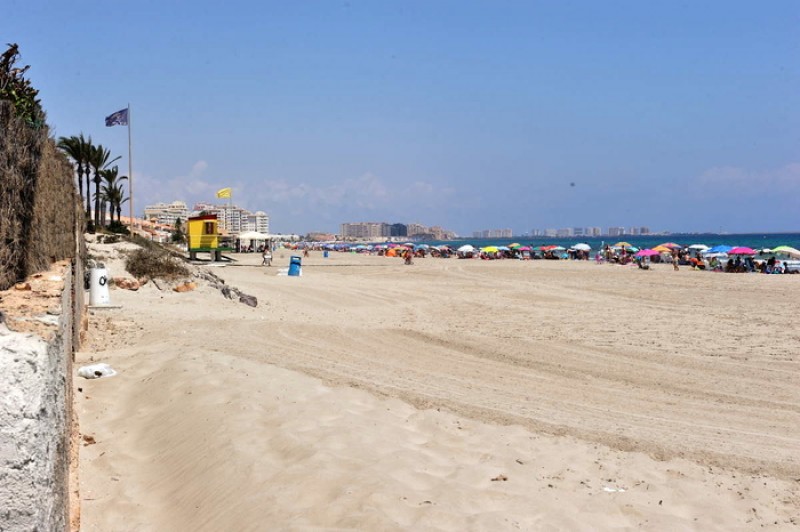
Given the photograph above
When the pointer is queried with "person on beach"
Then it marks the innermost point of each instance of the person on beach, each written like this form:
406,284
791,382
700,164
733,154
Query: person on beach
675,260
266,257
408,257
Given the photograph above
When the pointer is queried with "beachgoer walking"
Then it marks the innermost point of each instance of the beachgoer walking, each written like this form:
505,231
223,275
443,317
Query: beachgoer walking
675,260
266,257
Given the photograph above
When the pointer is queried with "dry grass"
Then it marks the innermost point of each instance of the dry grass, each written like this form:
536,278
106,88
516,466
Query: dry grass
38,200
155,262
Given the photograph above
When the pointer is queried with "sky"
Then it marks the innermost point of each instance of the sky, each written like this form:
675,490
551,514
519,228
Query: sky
679,116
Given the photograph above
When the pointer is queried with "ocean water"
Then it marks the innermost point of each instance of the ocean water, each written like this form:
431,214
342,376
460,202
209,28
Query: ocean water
752,240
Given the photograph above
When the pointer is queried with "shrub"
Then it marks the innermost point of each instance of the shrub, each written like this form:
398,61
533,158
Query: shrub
155,262
118,227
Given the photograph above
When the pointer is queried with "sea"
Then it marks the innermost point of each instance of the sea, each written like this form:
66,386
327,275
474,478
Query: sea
751,240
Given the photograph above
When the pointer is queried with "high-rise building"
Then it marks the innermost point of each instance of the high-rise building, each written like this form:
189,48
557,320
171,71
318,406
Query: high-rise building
167,213
616,231
416,229
235,220
550,232
398,229
593,231
365,230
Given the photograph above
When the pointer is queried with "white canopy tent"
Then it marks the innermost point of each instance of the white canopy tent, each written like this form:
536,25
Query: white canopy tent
253,235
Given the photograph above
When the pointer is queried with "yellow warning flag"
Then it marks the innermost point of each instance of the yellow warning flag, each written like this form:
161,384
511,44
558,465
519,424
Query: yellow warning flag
224,193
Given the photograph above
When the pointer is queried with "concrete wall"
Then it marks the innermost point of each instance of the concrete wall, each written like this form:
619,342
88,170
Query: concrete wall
37,340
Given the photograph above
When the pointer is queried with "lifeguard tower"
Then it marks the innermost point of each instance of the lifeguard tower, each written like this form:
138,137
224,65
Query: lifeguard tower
203,233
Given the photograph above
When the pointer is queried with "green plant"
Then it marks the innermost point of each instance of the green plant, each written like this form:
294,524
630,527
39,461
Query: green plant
18,90
118,227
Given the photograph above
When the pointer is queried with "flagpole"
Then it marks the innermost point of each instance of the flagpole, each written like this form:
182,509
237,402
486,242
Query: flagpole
130,168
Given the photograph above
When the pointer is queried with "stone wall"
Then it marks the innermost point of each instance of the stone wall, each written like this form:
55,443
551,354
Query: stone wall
41,320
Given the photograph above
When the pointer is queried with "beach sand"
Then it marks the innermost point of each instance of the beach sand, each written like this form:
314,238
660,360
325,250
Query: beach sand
449,395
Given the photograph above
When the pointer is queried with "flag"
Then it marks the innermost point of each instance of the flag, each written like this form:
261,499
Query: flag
120,118
224,193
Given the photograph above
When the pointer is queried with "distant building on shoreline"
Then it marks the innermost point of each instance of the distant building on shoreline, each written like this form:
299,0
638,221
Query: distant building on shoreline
167,213
383,230
589,232
493,233
232,219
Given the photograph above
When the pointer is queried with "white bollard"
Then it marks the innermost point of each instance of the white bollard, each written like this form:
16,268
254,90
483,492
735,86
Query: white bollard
98,288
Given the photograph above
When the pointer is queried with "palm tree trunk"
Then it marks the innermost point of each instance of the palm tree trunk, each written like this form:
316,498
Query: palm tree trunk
88,193
96,199
80,180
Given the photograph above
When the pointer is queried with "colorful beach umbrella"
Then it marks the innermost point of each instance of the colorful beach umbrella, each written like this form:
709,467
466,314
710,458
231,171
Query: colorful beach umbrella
489,249
722,248
671,245
787,250
662,249
622,245
647,253
742,250
582,247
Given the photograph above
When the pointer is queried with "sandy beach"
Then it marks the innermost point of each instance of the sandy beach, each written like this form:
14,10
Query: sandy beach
447,395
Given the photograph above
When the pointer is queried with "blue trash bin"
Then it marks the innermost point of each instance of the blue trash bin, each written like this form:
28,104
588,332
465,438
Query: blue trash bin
324,254
295,264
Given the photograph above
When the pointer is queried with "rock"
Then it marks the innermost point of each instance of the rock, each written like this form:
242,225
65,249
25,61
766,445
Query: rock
22,286
127,283
188,286
226,291
248,300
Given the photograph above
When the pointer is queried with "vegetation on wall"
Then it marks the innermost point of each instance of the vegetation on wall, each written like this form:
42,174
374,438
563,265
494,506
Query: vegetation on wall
38,201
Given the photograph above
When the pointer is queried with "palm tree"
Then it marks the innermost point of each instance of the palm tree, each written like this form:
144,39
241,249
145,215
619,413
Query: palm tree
99,160
114,194
110,191
78,149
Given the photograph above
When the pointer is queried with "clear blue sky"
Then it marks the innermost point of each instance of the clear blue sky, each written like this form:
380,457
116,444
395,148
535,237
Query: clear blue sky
680,116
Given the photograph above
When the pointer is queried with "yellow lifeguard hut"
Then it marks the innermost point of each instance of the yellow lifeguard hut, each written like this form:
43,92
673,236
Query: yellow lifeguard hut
203,233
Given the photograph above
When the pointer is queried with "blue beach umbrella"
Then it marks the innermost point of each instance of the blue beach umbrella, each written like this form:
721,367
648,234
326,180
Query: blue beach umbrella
722,248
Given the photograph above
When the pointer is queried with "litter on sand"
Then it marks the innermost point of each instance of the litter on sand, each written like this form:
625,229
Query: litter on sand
96,371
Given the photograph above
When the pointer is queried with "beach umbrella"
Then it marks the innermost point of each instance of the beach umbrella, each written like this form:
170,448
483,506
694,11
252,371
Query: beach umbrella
787,250
503,248
466,249
524,248
700,247
514,245
741,250
582,247
489,249
672,245
647,253
722,248
622,245
662,249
